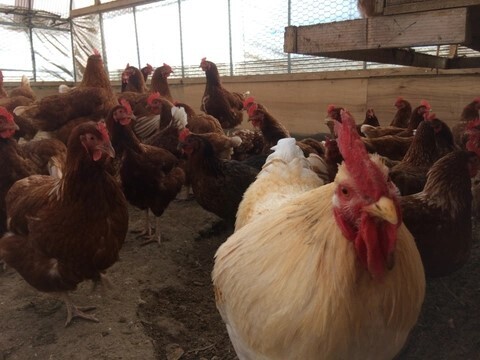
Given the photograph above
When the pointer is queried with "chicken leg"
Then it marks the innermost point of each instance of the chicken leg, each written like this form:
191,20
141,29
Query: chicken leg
154,237
76,312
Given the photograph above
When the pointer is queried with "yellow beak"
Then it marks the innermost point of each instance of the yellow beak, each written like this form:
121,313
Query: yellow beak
384,209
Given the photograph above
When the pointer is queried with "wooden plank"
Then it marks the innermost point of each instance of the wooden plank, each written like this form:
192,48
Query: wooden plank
290,39
110,6
436,27
407,30
393,7
341,35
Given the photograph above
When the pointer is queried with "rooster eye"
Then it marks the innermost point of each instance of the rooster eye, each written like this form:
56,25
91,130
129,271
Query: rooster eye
344,191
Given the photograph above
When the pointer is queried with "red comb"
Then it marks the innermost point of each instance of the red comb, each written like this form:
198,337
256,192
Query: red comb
400,98
330,108
473,132
149,66
126,105
6,114
426,104
183,134
368,178
474,125
95,52
248,101
153,96
477,99
102,127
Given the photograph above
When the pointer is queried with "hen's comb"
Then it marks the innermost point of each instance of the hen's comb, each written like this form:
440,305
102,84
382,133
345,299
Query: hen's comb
251,106
183,134
368,177
400,98
126,105
152,97
6,114
477,99
426,104
330,108
102,127
150,67
96,52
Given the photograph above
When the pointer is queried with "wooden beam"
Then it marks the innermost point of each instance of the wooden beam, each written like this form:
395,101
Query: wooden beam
110,6
463,63
393,7
399,31
392,56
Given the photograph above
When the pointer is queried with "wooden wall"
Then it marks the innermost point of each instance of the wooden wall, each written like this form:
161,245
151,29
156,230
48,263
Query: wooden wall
299,101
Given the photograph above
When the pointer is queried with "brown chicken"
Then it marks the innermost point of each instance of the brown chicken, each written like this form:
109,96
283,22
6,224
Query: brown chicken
65,231
252,144
440,216
90,100
469,113
3,92
46,157
23,90
390,146
133,80
159,82
217,101
150,176
403,114
218,185
410,174
146,71
271,129
415,118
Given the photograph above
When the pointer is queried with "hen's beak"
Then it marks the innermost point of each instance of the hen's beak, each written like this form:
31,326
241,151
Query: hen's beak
107,148
384,209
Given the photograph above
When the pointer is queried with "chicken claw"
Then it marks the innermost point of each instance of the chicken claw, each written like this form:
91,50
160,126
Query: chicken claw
77,312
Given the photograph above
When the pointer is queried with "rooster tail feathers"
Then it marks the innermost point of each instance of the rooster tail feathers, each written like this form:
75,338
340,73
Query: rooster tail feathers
179,117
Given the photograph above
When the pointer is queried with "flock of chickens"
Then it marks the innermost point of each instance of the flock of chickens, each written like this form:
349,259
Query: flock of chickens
329,237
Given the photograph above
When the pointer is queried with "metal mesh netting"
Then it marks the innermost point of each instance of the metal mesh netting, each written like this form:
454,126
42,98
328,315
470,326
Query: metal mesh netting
243,37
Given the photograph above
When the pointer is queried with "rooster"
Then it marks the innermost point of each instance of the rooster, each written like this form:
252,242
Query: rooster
217,101
331,274
286,174
150,176
64,231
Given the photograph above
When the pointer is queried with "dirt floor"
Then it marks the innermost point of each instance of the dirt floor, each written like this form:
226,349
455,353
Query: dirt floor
162,306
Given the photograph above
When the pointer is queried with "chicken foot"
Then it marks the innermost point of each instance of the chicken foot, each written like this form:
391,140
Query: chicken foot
77,312
157,237
146,231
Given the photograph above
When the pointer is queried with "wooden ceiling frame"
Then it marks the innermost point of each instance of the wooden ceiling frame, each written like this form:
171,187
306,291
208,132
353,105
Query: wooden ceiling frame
390,39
